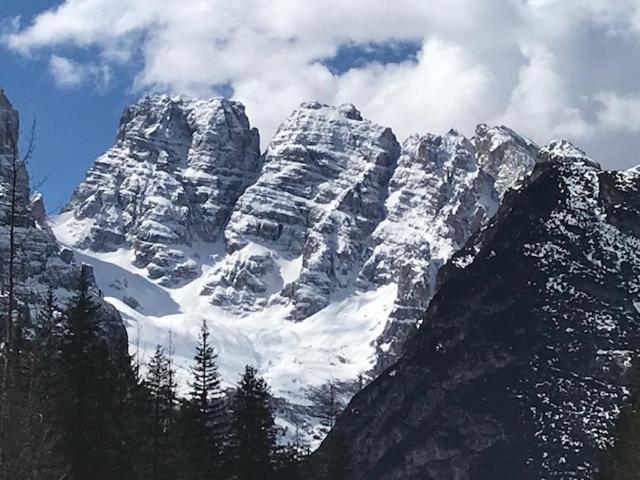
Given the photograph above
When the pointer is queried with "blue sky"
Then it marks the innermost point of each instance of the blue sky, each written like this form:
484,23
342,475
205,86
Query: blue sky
73,126
547,68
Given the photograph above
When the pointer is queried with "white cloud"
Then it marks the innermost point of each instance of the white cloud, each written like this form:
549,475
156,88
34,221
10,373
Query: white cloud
444,89
68,73
539,103
539,65
619,112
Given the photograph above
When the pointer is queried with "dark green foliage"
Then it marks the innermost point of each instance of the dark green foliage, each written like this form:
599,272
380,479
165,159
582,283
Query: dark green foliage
623,461
161,461
43,446
288,461
329,402
19,414
253,441
89,402
202,416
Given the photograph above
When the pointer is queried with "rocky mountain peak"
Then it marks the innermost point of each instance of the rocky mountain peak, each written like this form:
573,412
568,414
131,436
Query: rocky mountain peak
43,264
504,154
9,125
336,232
444,189
564,152
348,110
167,185
10,165
5,104
319,196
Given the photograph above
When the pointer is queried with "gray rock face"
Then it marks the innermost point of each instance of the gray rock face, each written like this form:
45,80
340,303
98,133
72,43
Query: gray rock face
40,262
444,189
519,369
338,204
335,198
505,155
168,185
319,197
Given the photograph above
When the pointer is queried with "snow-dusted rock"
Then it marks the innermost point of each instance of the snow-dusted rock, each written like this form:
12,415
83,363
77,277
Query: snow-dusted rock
167,185
563,151
505,155
444,189
313,262
320,195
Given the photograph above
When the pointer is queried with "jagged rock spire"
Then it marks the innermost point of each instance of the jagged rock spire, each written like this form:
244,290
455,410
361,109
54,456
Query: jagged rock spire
41,263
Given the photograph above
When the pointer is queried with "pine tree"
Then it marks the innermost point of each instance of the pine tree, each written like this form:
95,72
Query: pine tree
202,415
253,442
41,425
623,460
290,457
160,383
17,383
128,412
86,405
206,392
329,403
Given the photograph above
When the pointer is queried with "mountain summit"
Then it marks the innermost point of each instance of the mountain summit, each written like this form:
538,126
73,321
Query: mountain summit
168,185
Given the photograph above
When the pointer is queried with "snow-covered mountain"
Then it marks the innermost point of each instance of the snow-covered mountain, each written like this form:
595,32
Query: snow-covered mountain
520,368
313,261
168,185
41,262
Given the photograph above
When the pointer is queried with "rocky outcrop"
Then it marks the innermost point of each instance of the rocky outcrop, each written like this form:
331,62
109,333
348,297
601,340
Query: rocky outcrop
302,227
338,205
444,189
168,185
40,263
505,155
518,370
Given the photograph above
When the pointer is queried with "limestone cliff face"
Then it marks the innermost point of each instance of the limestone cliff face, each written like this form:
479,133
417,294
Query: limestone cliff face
444,189
319,197
168,185
334,217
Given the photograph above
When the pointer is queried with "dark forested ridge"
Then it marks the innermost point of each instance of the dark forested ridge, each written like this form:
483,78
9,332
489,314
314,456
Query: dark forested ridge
622,461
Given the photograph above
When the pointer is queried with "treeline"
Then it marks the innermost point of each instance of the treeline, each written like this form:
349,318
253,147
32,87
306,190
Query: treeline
73,407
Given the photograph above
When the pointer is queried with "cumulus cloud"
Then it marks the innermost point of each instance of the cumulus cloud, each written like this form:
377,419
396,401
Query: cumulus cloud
540,102
620,112
546,67
68,73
